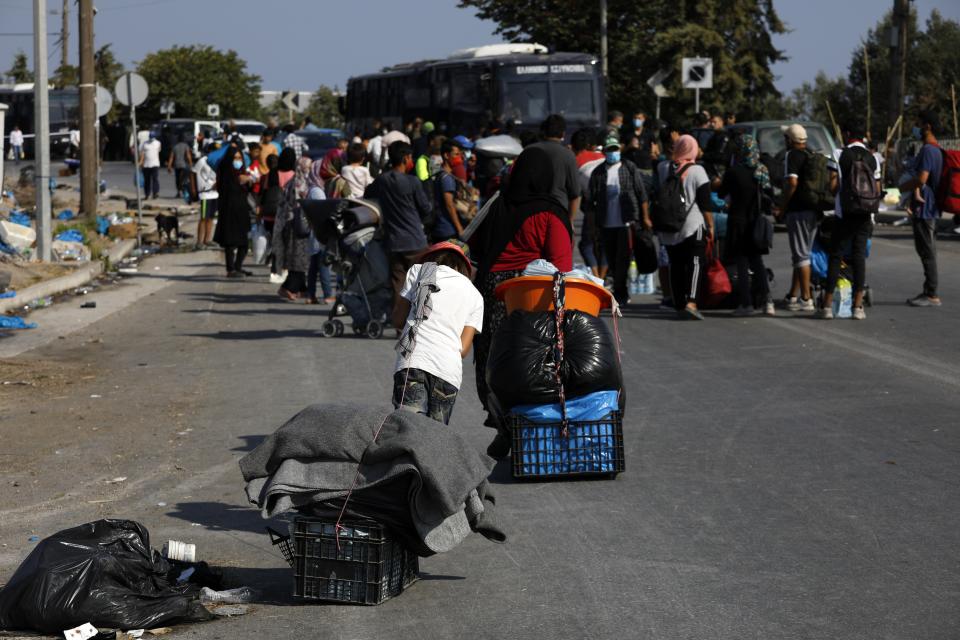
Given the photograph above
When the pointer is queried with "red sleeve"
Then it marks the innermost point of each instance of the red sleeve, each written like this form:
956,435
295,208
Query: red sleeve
557,245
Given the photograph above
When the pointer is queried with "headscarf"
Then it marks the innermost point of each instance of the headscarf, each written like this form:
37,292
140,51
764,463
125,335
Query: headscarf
315,179
228,178
747,154
302,184
528,192
331,164
685,150
288,160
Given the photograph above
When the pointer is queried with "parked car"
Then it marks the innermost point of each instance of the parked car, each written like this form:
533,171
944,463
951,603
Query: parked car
320,141
770,140
249,130
169,132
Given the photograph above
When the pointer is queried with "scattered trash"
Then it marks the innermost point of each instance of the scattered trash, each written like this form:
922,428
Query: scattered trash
89,305
95,395
70,235
39,303
195,524
83,632
102,225
8,294
135,633
14,322
18,236
33,539
20,218
161,504
66,214
186,575
116,480
102,573
229,610
240,595
159,631
17,383
181,551
127,270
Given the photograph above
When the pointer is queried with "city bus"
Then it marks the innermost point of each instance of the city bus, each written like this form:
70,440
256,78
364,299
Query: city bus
519,83
64,107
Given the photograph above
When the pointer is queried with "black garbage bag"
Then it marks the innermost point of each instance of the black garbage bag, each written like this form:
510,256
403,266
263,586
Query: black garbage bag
521,368
103,573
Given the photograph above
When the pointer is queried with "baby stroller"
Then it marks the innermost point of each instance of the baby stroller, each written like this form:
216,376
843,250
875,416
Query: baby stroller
820,262
349,229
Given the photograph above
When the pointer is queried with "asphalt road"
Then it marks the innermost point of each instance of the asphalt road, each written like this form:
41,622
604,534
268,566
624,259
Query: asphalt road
786,478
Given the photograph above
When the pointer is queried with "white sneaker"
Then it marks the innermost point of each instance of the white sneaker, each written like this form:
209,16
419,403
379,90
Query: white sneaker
789,301
808,305
769,310
859,314
824,314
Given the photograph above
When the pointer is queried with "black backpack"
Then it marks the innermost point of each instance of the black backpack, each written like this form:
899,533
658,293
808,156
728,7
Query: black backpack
671,208
813,189
859,193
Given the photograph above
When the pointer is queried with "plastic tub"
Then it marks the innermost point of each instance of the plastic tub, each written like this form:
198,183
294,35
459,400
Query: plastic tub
535,293
17,236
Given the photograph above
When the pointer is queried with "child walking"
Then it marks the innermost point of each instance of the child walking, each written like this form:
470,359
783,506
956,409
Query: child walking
439,311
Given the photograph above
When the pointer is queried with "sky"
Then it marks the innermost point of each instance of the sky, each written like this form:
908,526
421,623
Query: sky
312,42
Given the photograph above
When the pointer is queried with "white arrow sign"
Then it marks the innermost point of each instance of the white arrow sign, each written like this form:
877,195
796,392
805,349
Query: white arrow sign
655,82
290,100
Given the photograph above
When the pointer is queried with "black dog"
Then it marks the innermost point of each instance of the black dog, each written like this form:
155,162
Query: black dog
168,225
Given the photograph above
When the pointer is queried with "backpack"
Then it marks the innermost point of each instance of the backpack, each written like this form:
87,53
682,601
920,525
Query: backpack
948,191
859,192
670,209
813,190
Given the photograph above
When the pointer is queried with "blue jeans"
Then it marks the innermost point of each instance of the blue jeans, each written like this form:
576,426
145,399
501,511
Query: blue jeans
425,393
318,268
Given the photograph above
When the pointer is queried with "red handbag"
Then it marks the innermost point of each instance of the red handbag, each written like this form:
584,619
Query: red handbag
717,286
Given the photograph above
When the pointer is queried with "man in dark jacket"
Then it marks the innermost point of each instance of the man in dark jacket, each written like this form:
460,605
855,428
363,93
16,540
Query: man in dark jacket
618,202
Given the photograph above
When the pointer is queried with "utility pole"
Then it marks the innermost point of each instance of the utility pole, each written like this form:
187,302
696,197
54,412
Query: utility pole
88,113
603,44
898,45
41,130
65,34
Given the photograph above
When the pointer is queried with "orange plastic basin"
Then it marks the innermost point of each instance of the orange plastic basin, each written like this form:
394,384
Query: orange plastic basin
535,293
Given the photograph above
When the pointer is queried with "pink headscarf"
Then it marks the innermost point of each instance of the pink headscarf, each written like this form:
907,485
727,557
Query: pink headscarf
685,150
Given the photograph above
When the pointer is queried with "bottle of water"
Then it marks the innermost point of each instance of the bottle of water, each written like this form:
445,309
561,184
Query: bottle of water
633,278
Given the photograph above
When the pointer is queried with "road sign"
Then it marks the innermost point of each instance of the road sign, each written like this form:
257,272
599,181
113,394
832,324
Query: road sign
131,89
291,100
168,108
213,110
697,73
655,82
104,101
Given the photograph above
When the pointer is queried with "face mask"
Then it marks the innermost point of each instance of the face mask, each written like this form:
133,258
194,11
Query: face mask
467,155
410,164
916,133
456,162
638,122
613,157
238,164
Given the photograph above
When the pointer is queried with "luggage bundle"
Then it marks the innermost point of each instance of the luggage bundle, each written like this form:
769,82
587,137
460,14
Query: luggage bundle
556,380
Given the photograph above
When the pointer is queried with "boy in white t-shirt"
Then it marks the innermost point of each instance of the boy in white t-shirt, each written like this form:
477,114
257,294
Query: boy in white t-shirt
440,311
355,174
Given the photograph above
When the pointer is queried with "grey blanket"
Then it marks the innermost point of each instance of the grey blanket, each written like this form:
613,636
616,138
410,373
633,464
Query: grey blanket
314,458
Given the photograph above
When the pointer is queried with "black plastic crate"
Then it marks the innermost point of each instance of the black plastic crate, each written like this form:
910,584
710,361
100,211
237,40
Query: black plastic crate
590,447
368,565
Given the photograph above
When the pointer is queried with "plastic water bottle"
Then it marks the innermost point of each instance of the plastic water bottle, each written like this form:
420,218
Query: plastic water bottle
633,277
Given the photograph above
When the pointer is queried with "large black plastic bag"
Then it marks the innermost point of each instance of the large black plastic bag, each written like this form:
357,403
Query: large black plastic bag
102,573
521,368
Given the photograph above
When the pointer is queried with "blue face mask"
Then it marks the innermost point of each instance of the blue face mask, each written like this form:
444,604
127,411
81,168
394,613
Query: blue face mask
916,133
467,154
613,157
638,122
238,164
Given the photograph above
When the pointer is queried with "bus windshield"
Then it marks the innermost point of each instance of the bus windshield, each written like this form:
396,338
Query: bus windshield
526,101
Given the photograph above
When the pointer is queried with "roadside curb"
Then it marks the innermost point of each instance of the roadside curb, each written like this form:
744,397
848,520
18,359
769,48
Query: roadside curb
81,276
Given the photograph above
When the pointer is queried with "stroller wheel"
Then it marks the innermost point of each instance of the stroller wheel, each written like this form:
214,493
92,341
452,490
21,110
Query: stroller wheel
339,327
868,296
328,329
374,329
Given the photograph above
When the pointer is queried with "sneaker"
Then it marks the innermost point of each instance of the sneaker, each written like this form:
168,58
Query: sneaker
743,312
824,314
769,310
276,278
789,301
924,301
692,313
802,305
859,314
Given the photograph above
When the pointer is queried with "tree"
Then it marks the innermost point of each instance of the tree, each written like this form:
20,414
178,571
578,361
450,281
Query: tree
645,37
107,70
323,109
20,71
195,76
66,75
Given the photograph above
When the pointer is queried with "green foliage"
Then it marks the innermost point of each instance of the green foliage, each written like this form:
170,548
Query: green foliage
20,70
107,70
195,76
930,71
66,75
644,37
323,110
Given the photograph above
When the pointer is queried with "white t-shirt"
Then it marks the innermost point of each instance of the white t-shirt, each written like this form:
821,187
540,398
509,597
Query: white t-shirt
614,218
16,138
358,177
456,305
151,153
834,165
